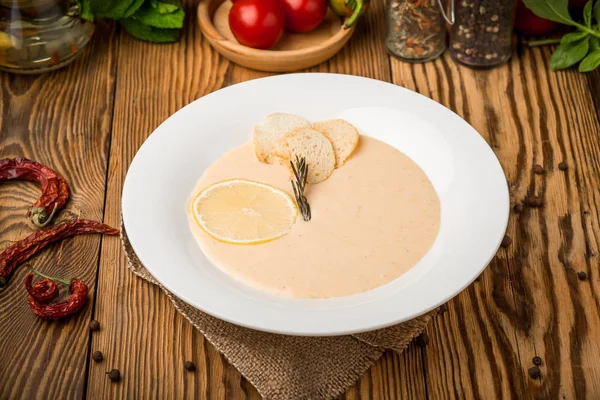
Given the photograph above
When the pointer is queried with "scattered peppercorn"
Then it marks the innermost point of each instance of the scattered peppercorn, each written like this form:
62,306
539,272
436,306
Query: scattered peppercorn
582,276
422,340
538,169
114,375
518,207
563,166
443,308
537,360
534,201
190,366
94,325
506,241
97,356
534,372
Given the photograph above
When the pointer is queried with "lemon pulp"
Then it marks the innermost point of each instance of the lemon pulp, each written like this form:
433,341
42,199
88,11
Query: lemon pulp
240,211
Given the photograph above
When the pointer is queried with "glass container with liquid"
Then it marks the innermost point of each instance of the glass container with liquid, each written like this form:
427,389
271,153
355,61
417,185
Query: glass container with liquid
41,35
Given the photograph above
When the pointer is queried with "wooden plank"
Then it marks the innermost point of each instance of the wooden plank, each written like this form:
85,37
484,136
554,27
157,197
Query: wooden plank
392,377
529,301
61,119
142,334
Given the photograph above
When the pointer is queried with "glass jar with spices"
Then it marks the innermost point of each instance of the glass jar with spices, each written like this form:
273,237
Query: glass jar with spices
415,29
482,34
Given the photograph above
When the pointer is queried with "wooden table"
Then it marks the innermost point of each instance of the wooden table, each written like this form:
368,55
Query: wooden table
88,121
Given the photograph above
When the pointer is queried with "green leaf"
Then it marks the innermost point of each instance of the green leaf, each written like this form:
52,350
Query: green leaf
151,16
587,14
114,9
591,62
569,54
165,6
573,37
146,32
554,10
84,10
594,44
597,13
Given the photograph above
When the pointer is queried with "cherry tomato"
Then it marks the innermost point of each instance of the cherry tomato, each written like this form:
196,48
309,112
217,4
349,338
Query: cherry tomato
304,15
528,23
257,23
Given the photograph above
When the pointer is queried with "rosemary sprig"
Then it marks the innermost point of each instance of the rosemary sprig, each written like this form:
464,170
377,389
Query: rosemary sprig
300,169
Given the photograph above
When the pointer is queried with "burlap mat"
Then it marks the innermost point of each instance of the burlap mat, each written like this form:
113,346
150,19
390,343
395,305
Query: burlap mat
291,367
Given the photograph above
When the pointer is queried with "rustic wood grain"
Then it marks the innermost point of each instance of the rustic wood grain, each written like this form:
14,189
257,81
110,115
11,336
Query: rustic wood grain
529,301
61,119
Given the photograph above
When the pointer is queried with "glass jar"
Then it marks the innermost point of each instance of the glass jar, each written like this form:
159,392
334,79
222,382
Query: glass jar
415,29
40,35
482,34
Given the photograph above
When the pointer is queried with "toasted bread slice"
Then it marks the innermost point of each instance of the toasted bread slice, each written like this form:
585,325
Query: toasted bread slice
270,130
343,136
316,148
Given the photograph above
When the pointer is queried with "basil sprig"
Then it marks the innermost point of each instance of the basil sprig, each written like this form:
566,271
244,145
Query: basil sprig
580,46
151,20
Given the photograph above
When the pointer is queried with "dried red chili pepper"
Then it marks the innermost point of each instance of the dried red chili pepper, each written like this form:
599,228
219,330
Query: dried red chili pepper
22,250
55,191
65,308
44,291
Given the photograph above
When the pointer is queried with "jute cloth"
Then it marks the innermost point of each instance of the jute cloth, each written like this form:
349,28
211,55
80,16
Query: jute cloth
291,367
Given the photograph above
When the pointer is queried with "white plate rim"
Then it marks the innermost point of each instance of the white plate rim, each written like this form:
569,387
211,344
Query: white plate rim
138,246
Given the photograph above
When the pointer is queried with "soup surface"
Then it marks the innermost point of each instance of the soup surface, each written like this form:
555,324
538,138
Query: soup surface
372,221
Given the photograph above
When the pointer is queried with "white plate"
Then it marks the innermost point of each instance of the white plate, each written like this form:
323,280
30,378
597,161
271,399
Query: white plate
464,171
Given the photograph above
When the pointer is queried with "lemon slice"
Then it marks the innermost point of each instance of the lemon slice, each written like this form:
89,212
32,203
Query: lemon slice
240,211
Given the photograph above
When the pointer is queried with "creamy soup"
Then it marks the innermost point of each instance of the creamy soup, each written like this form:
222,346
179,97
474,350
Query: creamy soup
372,221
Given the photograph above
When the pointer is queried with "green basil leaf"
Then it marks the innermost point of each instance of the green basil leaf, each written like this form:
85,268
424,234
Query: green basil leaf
151,16
573,37
165,8
587,14
84,10
146,32
568,54
554,10
114,9
594,44
597,14
590,62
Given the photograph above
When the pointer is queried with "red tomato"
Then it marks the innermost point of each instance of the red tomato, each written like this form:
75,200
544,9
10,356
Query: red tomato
257,23
526,22
304,15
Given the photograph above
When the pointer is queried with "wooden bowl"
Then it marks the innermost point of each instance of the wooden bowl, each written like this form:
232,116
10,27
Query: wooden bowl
293,52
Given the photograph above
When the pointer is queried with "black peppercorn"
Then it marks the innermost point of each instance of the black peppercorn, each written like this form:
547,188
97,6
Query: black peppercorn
97,356
190,366
443,308
94,325
534,201
534,372
506,241
582,276
538,169
518,207
537,360
563,166
114,375
422,340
